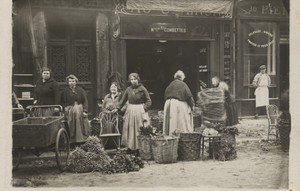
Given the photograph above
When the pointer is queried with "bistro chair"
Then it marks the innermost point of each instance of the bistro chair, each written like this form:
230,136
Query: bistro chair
272,113
109,128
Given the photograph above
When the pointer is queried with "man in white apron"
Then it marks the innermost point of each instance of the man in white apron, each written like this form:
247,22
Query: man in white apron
261,81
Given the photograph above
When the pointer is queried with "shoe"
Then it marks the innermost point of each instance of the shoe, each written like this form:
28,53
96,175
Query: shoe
256,116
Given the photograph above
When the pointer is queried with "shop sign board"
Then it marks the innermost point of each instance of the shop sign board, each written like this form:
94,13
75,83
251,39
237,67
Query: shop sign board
167,29
213,8
268,38
262,9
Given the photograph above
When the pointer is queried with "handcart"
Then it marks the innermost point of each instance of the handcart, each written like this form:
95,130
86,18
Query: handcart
42,134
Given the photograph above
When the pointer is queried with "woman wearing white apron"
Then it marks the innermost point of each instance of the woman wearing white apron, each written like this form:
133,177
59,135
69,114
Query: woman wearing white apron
261,81
139,103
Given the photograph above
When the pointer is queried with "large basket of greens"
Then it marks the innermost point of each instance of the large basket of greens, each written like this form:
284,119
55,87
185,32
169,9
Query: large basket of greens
284,127
211,101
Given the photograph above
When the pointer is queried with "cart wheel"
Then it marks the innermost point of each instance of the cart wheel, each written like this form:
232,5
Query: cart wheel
62,149
17,155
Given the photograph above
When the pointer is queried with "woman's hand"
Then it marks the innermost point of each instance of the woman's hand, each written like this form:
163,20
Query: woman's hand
114,110
56,110
85,114
20,106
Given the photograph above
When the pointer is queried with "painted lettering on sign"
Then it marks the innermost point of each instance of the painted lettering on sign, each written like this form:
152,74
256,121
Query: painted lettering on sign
167,28
258,45
263,9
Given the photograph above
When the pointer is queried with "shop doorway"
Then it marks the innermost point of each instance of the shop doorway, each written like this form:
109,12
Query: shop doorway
157,61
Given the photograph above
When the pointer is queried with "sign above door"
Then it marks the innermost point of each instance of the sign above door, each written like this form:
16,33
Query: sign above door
180,8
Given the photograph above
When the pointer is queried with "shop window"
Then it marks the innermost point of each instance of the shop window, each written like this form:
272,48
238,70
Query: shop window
258,49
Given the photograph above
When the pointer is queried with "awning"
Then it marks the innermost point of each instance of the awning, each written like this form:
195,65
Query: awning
205,8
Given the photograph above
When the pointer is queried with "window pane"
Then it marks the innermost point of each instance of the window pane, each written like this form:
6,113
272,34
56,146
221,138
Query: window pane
258,48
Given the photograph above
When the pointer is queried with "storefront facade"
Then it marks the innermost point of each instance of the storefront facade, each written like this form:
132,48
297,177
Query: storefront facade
262,39
69,37
95,38
156,41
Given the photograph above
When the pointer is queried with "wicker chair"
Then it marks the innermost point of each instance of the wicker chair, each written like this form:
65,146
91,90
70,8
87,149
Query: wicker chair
272,113
109,128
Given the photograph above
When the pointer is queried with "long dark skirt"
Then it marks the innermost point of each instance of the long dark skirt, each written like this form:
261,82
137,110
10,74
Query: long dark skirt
231,113
78,125
43,112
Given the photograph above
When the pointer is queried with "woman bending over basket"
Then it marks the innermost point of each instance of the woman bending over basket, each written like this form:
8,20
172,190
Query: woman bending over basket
46,93
139,103
75,102
178,107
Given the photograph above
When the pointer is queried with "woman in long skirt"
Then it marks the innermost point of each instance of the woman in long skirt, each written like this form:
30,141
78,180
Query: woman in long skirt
178,107
230,107
139,103
46,93
75,103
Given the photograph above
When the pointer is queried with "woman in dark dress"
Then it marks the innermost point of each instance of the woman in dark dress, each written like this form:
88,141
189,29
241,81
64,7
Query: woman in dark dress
231,112
46,93
178,108
111,101
139,103
75,104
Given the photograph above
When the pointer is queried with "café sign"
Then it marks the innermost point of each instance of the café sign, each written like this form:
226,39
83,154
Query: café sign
268,35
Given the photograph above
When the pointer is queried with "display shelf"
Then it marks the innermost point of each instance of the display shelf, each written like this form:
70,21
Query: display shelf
23,75
24,86
25,99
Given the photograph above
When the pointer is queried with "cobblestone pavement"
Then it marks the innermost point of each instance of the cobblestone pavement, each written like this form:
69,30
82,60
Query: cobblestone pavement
260,164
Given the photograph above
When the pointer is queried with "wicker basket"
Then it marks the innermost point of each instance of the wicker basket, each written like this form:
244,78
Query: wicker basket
284,133
226,150
145,147
165,149
189,146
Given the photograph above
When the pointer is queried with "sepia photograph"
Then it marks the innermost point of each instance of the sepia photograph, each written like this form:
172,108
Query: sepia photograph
150,94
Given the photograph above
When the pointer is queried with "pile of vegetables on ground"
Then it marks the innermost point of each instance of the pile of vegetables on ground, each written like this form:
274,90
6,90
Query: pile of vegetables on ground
91,157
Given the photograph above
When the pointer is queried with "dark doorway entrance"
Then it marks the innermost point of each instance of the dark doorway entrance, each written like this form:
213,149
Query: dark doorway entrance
157,61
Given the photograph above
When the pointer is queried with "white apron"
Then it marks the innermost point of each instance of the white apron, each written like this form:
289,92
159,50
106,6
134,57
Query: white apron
262,92
178,117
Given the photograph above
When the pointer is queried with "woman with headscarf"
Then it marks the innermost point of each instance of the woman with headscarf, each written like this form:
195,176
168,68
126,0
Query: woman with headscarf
215,81
46,93
231,112
75,104
178,108
261,82
139,103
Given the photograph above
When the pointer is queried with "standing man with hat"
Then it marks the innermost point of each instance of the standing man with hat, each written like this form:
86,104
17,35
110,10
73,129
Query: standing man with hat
261,81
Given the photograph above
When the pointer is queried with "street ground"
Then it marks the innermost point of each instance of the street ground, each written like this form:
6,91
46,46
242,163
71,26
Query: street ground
260,164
